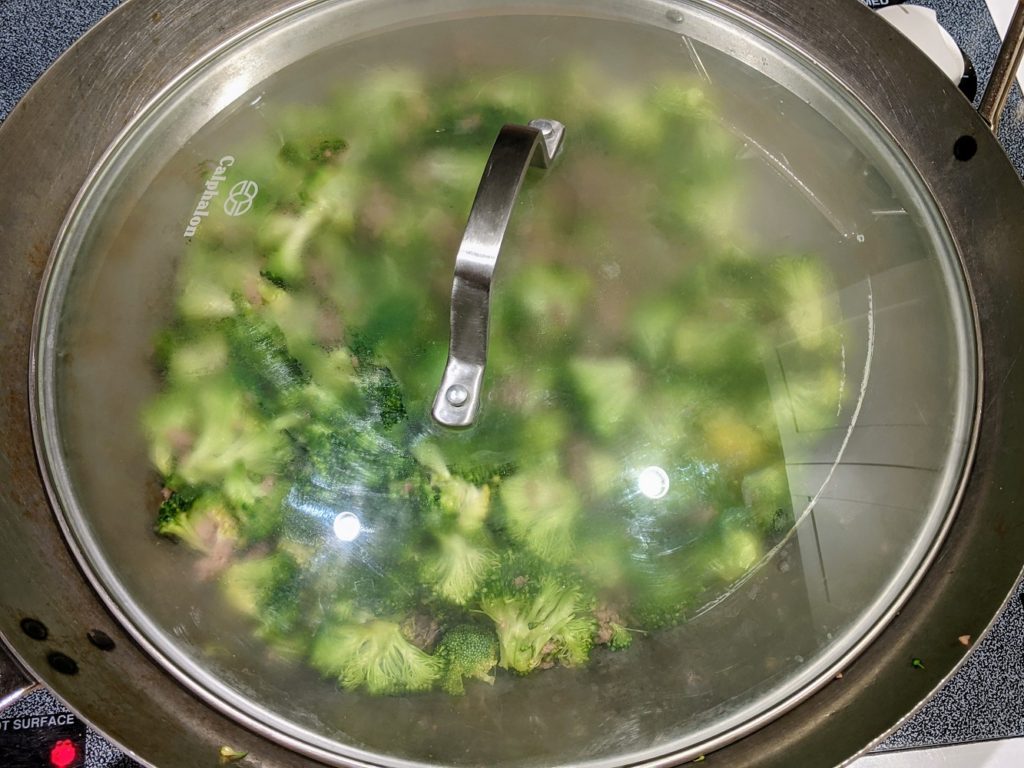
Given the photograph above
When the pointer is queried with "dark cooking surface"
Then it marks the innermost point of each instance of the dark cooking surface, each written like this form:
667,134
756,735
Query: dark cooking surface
985,700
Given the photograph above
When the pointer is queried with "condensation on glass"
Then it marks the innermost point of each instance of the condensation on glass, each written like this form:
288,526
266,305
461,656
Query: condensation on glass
870,478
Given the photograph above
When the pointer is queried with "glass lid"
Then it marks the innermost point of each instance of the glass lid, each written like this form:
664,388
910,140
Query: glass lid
715,406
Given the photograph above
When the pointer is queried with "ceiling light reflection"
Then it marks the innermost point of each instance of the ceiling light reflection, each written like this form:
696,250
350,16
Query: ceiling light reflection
347,526
653,482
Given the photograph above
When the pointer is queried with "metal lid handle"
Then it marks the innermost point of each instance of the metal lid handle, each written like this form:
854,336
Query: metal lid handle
458,398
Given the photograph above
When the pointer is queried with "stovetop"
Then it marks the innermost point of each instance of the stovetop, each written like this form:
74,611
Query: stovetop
983,700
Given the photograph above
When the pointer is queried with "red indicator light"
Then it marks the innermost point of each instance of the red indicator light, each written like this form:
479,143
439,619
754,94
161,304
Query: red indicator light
63,754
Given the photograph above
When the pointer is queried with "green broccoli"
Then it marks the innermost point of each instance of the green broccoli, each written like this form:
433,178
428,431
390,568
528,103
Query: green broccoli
766,496
664,586
344,451
259,519
175,504
373,655
251,585
609,389
740,549
610,631
203,524
299,366
383,394
267,589
469,651
458,568
485,473
621,638
209,283
459,499
328,150
189,360
549,297
260,354
205,433
803,287
541,616
541,509
468,503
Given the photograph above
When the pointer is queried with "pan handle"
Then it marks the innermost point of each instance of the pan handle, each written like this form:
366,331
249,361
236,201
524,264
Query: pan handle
516,148
1004,70
14,680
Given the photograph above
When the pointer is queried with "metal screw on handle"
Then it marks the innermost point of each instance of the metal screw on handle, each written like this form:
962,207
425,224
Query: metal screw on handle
517,147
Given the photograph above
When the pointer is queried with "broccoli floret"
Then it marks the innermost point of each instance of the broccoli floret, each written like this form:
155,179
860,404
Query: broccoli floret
266,589
176,505
328,150
802,289
209,283
273,278
740,549
467,502
383,394
541,508
287,238
242,488
621,638
384,588
652,614
169,422
374,655
469,651
664,587
484,474
732,441
203,524
653,326
187,361
609,631
344,453
766,495
253,585
260,353
458,568
380,388
725,350
202,434
259,519
459,499
541,616
609,389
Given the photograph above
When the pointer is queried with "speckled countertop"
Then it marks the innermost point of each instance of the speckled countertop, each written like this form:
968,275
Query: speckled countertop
985,699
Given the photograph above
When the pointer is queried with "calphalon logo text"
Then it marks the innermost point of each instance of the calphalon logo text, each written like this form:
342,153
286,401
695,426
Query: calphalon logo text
240,198
212,189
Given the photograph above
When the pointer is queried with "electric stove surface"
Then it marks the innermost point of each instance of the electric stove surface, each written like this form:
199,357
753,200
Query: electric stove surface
983,701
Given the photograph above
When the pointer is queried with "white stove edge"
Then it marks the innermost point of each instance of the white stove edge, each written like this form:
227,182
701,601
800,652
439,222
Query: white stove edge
1004,753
